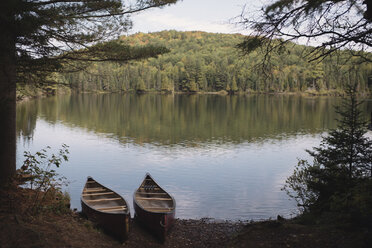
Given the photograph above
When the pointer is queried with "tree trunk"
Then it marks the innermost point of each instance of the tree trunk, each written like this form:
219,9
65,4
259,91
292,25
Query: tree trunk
7,121
368,13
7,97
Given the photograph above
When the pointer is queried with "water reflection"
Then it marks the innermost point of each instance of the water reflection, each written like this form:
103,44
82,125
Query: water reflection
188,120
221,157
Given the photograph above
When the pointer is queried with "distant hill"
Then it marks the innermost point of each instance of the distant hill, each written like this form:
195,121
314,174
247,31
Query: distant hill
209,62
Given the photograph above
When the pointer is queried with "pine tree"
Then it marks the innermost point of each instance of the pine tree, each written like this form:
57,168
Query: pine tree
140,86
228,89
340,179
166,86
346,147
234,86
192,86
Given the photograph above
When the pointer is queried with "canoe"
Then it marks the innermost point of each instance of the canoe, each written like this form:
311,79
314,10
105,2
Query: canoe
106,208
154,208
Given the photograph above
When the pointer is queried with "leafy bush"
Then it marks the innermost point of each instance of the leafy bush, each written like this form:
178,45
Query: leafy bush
44,180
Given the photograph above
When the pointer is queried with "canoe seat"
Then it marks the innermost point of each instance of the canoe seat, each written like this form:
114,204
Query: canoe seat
112,208
158,209
94,194
93,190
154,198
104,199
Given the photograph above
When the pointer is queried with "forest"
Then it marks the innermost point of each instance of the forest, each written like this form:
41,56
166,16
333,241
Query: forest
210,62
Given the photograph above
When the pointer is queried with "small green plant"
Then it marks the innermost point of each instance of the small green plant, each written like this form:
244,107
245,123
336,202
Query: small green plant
44,179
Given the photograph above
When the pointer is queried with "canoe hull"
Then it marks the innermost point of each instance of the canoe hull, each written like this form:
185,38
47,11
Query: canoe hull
116,225
158,224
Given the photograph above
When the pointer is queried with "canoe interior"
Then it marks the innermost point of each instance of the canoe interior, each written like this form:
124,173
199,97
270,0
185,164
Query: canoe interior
151,197
103,199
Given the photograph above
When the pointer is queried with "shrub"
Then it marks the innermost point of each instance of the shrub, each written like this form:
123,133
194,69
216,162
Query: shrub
44,180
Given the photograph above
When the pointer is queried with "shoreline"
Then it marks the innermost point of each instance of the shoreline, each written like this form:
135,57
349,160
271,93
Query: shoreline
225,93
26,98
70,229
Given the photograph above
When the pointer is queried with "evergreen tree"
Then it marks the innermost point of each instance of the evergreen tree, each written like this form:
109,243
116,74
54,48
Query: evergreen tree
341,177
228,89
234,86
166,85
192,86
140,86
347,147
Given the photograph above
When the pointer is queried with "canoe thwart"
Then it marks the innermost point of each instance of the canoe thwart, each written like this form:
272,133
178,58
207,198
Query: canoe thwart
154,198
112,208
93,189
164,208
158,209
105,199
94,194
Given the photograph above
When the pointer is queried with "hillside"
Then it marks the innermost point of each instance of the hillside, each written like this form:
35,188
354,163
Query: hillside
208,62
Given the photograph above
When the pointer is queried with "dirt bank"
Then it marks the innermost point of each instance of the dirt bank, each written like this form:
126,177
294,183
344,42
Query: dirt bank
19,228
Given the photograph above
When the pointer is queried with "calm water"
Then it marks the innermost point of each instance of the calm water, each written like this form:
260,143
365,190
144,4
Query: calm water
219,156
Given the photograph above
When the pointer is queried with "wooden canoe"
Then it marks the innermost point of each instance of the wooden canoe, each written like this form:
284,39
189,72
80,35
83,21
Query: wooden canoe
106,208
154,208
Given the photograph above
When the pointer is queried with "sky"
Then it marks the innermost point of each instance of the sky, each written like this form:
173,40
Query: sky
194,15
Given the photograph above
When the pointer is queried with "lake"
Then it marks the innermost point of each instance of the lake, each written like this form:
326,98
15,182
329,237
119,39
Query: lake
222,157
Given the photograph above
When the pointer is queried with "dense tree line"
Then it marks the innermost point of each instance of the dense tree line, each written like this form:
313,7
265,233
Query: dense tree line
207,62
